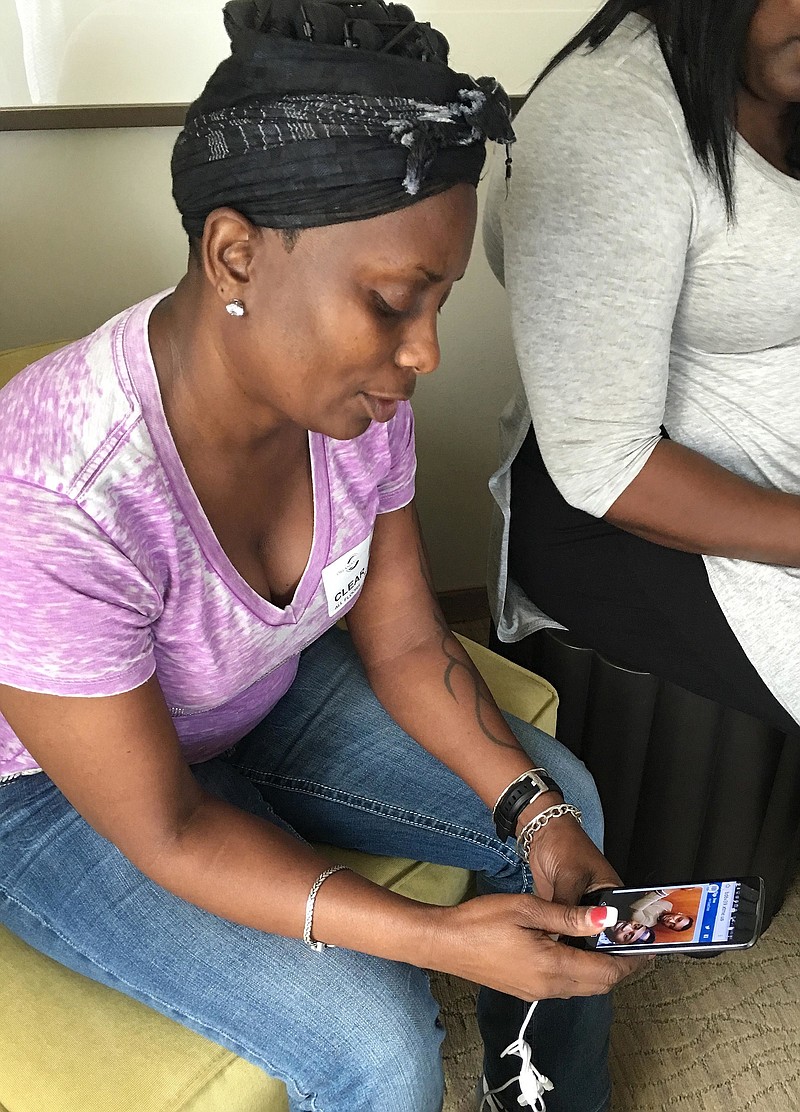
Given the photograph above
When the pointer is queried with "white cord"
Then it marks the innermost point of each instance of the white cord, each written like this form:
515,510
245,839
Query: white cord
533,1084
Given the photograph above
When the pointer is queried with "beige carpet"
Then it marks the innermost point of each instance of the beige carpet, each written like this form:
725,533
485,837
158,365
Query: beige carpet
719,1035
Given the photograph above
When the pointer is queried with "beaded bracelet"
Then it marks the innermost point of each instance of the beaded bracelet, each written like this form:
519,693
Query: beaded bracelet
312,896
526,834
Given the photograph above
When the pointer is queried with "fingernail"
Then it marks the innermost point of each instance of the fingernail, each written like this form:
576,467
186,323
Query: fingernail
603,917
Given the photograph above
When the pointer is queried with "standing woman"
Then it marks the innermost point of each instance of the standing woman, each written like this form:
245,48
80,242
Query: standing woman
649,246
191,498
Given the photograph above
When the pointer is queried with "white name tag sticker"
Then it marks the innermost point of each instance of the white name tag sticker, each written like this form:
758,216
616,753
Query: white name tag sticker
344,578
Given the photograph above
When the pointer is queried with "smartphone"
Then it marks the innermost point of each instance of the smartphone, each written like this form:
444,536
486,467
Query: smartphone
708,917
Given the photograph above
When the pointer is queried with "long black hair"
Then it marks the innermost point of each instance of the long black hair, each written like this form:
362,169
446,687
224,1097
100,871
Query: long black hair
703,43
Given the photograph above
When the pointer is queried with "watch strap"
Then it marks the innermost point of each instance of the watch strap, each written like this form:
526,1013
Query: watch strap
518,795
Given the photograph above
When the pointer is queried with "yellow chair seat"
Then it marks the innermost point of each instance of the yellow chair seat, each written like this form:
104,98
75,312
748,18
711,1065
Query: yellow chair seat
68,1044
16,359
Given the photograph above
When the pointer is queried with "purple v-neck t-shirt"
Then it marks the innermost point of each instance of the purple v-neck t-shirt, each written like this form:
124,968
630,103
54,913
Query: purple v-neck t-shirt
111,570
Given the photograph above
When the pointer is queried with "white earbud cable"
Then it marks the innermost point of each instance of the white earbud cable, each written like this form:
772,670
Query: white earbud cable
533,1084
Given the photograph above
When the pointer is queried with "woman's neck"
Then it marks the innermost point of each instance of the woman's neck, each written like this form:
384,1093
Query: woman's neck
204,401
767,127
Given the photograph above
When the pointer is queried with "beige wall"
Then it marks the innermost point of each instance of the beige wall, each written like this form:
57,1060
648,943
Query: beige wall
88,227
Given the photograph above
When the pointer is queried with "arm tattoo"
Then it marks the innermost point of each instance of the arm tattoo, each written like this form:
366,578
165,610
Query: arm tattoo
455,663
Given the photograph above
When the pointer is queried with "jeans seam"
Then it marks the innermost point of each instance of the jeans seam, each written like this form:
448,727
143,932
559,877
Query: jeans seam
266,1066
376,806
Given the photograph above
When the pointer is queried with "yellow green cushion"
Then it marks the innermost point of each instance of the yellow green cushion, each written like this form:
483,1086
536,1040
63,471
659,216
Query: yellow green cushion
15,359
68,1044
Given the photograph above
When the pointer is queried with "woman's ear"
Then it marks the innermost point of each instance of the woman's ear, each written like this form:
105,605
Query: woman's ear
227,250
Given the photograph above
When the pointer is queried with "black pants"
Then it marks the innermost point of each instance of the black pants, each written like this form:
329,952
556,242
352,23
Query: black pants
638,603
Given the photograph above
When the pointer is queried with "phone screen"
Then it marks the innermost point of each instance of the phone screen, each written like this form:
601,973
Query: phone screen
715,915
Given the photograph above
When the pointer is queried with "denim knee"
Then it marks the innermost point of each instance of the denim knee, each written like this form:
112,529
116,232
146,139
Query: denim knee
568,770
397,1066
580,789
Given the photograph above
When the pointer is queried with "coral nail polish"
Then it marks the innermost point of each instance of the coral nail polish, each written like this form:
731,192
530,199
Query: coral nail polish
603,917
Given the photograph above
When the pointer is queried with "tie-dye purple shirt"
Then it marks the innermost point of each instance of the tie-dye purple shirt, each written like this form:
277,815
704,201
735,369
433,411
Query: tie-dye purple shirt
111,570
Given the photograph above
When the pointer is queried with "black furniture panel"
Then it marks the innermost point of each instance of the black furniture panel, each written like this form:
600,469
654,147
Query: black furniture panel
691,790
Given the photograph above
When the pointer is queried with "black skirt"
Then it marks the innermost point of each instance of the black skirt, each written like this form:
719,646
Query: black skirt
648,607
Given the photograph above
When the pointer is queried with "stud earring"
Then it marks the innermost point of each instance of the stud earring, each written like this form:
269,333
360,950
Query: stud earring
235,307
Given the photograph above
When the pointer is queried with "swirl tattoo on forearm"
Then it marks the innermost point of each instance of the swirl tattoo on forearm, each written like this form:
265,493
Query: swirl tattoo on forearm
456,663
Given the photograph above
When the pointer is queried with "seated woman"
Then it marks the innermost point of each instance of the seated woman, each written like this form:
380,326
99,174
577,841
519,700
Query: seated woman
653,508
191,498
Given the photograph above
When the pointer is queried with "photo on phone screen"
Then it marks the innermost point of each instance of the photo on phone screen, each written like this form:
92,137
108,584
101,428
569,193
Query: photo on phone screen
722,914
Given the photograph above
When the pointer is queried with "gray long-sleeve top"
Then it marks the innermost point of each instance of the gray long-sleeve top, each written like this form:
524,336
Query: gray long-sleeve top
635,304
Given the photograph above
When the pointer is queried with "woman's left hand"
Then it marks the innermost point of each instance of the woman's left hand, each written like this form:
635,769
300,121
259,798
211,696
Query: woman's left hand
566,863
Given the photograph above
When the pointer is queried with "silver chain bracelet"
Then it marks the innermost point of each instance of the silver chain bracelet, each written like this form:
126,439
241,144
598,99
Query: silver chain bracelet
526,834
312,896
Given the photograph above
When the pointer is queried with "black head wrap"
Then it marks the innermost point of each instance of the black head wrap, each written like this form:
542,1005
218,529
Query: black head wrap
329,112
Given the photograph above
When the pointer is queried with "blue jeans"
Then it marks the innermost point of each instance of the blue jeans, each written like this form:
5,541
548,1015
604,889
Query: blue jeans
346,1032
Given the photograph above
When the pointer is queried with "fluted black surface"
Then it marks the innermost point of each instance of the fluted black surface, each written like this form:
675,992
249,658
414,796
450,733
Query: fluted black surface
691,790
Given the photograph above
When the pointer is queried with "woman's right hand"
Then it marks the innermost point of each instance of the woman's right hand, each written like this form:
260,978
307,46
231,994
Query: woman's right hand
506,943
